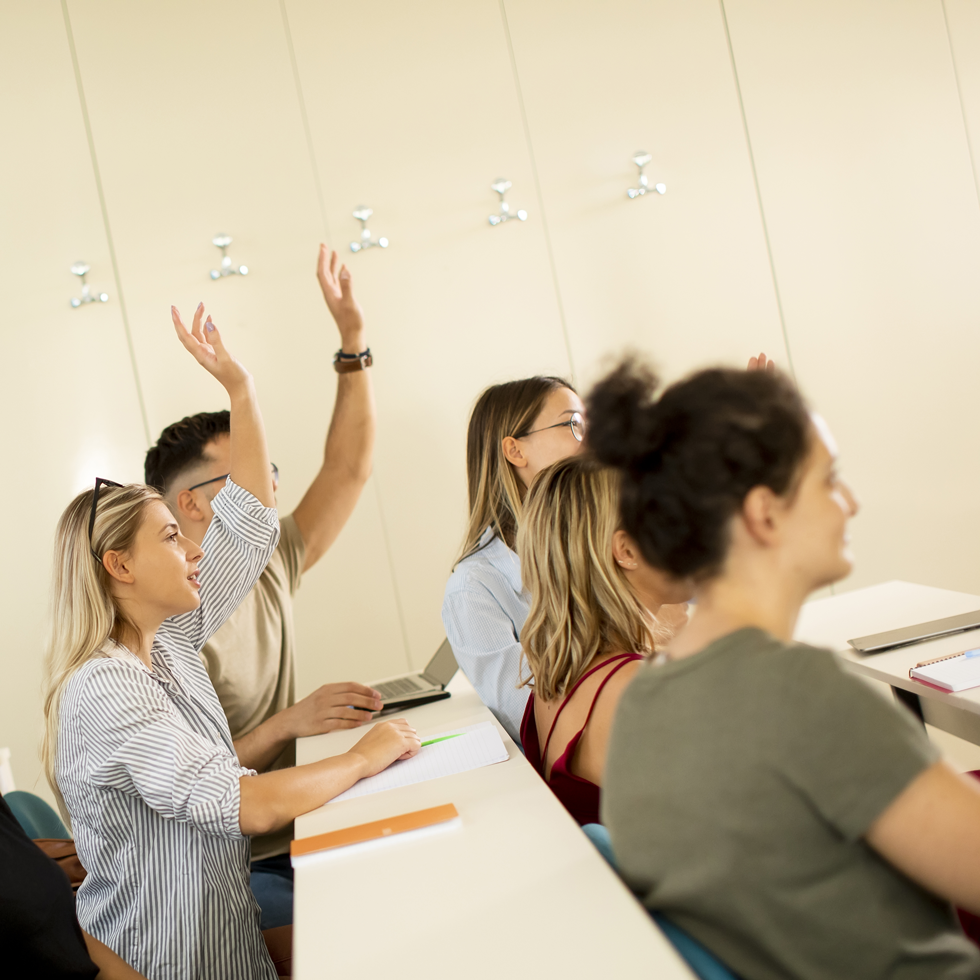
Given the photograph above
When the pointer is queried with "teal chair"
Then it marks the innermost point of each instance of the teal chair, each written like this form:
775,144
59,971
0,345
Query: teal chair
35,816
703,963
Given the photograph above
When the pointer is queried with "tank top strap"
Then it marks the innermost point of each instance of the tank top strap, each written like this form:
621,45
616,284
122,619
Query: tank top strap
620,659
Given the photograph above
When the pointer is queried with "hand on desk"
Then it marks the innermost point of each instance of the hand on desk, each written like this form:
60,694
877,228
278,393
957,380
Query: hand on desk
333,707
386,743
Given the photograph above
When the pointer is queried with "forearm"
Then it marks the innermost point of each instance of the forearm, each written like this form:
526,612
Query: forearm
272,800
250,467
263,745
111,965
347,457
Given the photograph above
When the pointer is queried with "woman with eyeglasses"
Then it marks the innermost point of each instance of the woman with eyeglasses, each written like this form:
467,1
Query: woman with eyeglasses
137,747
516,429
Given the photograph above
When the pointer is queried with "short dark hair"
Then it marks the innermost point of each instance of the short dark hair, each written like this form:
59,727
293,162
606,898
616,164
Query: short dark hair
181,446
690,457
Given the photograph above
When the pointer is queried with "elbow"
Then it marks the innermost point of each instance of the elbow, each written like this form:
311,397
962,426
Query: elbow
257,812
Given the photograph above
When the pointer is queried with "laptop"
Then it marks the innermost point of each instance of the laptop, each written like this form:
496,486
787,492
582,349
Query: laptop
879,642
411,690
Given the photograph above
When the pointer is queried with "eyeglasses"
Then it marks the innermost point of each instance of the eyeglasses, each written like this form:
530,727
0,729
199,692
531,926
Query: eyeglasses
99,483
575,422
224,476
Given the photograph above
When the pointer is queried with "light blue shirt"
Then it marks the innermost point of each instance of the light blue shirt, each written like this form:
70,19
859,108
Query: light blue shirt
483,611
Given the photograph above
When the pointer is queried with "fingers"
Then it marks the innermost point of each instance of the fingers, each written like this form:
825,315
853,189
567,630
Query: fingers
339,725
321,263
345,290
182,332
333,265
351,714
196,325
351,687
212,336
358,701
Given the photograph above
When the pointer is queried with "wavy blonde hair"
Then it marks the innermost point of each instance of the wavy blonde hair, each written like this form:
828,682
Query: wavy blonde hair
84,613
496,494
581,602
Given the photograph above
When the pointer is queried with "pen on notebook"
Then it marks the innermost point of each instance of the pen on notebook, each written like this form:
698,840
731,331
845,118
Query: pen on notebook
441,738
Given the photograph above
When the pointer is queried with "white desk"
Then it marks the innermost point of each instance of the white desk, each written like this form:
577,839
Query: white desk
832,622
516,891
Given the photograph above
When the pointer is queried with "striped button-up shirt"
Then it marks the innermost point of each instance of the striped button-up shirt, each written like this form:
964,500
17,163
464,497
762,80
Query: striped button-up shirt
149,774
484,608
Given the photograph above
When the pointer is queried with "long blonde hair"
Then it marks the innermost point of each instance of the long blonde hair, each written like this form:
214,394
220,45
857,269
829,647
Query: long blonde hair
84,613
581,602
496,495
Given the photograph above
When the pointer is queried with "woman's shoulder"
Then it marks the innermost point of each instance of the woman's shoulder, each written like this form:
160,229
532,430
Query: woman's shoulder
491,562
106,671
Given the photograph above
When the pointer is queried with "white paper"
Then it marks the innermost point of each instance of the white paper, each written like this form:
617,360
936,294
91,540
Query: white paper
476,746
955,674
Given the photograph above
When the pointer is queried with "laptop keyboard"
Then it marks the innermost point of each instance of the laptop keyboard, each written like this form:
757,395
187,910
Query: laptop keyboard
397,687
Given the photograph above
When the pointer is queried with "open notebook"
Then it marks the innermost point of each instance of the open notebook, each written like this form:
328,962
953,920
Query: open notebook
458,750
957,672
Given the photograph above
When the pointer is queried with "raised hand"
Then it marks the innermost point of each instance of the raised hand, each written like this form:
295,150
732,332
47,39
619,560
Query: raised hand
762,363
387,742
345,310
204,343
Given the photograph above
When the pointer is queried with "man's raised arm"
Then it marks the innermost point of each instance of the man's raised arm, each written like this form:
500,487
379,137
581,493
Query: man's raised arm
331,497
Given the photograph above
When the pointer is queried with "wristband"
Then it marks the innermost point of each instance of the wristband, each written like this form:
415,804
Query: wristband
345,363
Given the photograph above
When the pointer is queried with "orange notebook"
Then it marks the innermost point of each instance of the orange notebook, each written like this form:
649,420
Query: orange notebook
373,831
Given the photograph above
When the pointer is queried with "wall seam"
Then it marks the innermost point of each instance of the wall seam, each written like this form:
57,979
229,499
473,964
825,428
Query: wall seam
758,189
105,220
306,121
537,188
375,482
959,95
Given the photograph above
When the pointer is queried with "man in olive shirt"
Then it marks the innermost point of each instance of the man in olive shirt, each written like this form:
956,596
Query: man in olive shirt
740,785
251,658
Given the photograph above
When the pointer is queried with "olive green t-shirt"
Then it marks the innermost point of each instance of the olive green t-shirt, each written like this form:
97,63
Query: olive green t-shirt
739,784
251,659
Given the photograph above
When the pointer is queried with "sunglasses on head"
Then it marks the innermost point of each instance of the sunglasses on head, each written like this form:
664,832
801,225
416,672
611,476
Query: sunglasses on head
99,483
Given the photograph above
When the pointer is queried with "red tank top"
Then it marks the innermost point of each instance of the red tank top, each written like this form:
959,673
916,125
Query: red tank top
580,796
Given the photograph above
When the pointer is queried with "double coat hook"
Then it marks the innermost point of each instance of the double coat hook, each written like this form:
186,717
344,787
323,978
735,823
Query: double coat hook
501,185
362,212
81,269
641,158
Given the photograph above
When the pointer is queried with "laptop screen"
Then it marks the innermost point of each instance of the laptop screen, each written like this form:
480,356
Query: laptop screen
441,668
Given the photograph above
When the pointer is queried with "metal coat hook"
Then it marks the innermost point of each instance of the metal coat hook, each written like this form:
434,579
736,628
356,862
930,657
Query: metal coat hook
81,270
227,269
501,185
362,212
641,158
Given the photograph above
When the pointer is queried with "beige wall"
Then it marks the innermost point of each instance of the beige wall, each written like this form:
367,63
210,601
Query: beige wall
823,198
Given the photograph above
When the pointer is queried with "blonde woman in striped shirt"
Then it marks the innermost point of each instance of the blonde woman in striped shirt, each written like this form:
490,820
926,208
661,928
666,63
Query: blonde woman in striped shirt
137,746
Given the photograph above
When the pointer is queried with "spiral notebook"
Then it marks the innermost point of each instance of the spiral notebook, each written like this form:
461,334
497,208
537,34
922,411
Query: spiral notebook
453,751
957,672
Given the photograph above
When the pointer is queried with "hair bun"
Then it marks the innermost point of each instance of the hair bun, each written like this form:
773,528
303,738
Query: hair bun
622,414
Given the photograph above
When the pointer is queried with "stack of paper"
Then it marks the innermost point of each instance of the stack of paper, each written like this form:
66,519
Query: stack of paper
454,751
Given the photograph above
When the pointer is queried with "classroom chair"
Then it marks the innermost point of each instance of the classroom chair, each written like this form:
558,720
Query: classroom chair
703,963
35,816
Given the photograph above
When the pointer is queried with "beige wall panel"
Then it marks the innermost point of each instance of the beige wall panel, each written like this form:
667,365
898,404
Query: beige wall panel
199,131
873,218
413,111
963,19
684,277
67,394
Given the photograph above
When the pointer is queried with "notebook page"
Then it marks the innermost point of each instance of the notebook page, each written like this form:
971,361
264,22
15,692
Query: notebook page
477,746
955,674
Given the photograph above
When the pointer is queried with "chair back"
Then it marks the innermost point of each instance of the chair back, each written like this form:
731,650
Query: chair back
703,963
35,816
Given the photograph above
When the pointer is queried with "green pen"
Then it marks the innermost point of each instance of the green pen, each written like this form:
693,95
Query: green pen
441,738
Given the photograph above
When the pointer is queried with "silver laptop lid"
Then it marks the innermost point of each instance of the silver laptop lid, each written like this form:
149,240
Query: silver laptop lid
439,671
890,639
